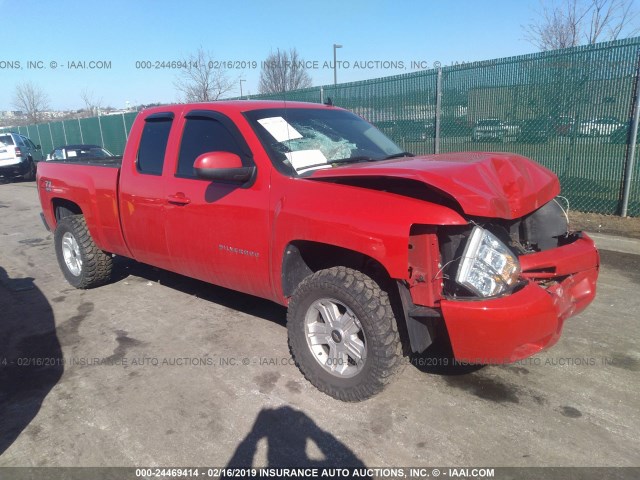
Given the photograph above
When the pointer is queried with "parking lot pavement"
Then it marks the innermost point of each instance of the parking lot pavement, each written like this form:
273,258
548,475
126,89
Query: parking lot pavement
157,369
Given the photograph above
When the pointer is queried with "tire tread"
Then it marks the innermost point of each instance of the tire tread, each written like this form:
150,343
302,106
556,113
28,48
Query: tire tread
97,265
385,351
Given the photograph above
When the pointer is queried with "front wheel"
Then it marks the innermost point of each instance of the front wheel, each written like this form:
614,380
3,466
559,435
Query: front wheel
343,334
83,264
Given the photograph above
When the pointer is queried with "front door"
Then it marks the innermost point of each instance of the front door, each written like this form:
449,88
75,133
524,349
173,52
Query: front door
217,232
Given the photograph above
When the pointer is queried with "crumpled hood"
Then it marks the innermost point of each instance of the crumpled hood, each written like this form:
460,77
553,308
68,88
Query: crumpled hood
499,185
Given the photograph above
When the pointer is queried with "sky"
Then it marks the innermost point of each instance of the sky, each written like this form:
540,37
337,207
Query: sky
56,46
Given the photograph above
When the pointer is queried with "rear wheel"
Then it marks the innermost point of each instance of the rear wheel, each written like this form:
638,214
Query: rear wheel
83,264
343,334
31,172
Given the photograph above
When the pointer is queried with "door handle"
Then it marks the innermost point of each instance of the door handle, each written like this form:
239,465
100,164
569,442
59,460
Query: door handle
178,199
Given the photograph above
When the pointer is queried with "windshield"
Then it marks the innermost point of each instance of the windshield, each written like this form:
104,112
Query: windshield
301,140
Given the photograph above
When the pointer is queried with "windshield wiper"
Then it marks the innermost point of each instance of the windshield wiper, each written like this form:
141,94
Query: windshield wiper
362,158
398,155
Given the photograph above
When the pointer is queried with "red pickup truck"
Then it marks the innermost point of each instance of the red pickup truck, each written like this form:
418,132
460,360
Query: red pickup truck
374,251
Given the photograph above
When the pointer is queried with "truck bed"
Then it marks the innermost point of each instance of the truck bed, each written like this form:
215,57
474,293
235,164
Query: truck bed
99,162
92,184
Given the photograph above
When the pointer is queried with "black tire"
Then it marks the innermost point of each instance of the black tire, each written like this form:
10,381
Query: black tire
96,265
31,173
382,357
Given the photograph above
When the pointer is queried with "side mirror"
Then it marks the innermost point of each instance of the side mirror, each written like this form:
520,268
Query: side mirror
222,166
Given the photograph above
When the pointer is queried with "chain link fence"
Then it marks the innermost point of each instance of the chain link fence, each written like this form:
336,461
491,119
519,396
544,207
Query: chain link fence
570,110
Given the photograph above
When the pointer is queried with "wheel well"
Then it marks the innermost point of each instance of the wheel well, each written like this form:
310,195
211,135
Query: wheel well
65,208
302,258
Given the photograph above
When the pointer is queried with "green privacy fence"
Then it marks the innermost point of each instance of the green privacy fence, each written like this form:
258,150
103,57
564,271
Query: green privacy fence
570,110
110,131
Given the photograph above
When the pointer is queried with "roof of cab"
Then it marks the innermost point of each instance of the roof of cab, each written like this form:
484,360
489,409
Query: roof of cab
235,105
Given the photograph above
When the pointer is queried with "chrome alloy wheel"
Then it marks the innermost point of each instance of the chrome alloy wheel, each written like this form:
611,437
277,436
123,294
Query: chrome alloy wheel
71,254
335,337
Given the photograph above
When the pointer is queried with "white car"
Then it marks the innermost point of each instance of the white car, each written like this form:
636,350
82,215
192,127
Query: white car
494,129
18,156
598,127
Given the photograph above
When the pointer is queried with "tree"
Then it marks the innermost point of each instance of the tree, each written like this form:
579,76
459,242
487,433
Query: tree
31,100
201,81
91,103
283,71
569,23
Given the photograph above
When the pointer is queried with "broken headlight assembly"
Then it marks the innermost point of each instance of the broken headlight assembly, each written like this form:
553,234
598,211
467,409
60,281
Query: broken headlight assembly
488,267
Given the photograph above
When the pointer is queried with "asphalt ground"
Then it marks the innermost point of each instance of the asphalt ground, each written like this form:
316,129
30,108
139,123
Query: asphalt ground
157,369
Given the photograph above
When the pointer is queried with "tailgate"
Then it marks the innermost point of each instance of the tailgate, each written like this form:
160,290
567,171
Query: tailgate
6,153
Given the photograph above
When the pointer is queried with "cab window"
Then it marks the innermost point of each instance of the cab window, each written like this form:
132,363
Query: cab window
153,143
202,135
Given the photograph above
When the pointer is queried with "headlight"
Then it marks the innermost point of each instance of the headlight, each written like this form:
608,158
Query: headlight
488,267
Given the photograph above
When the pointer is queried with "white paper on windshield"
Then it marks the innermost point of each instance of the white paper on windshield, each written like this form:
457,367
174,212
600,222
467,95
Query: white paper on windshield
307,160
279,129
72,153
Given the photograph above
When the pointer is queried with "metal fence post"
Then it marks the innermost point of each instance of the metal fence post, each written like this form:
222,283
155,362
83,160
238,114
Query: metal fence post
100,127
124,124
80,127
39,137
64,132
436,144
631,151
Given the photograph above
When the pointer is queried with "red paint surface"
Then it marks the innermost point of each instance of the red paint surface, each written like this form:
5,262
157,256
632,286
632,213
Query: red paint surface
236,237
519,325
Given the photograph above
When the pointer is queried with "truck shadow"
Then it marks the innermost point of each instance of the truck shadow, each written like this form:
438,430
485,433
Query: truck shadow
258,307
287,433
438,358
31,361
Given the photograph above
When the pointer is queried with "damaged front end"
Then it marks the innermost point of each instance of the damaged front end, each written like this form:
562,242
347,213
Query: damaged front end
505,287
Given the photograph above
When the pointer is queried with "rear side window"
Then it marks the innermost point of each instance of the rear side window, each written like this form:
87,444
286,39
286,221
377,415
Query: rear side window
202,135
153,144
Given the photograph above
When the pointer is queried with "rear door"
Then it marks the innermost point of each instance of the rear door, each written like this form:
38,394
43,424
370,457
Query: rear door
34,151
142,199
